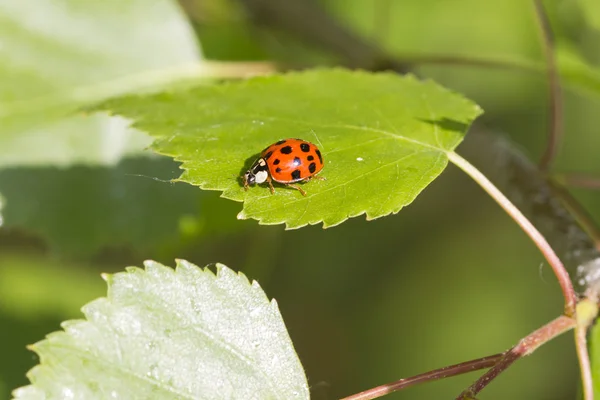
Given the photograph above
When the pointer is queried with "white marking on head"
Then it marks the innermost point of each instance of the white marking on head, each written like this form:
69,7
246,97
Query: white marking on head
359,158
261,176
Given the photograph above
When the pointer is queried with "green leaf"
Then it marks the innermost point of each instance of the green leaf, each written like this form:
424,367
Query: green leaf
82,210
56,56
591,11
165,334
384,138
577,71
95,139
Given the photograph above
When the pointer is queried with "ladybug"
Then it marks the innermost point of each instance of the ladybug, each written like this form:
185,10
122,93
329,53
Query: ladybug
287,161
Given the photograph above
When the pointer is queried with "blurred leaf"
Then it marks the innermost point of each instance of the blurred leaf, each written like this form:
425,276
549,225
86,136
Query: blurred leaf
29,287
591,11
86,139
384,138
56,56
226,32
426,33
577,71
182,334
82,209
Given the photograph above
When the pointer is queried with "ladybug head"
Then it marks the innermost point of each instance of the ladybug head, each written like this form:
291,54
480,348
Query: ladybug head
258,173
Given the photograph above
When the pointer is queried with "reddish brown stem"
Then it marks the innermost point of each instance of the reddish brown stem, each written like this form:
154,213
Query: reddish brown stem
441,373
555,263
526,346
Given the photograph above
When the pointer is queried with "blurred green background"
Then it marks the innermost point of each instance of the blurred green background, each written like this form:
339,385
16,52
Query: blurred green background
450,278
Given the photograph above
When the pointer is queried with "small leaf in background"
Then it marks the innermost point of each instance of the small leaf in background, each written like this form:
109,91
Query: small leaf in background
164,333
56,56
384,138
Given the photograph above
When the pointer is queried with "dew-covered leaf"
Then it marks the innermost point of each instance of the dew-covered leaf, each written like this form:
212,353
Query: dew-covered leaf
171,334
383,137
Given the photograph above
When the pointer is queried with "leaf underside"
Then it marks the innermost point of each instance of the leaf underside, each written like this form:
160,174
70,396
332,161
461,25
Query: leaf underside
171,334
384,138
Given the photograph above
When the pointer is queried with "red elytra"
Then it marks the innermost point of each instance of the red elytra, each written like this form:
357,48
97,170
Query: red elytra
287,161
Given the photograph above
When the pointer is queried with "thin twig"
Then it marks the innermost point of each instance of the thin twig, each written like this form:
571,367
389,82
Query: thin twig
526,346
470,61
579,180
555,96
445,372
555,263
587,310
587,382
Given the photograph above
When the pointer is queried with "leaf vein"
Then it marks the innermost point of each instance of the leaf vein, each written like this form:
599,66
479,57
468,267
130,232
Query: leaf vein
353,127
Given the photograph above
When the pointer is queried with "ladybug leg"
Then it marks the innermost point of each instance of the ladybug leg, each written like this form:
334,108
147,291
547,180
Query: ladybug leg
270,185
298,188
317,177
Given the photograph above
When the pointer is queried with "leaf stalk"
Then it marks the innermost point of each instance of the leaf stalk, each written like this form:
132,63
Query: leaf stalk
539,240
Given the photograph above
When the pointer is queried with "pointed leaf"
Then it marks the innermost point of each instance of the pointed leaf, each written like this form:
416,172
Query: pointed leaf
384,138
183,334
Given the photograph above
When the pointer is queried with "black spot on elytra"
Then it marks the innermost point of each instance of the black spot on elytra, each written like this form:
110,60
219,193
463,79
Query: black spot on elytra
269,154
281,141
286,150
297,162
319,155
310,158
305,147
278,170
296,174
312,167
277,161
